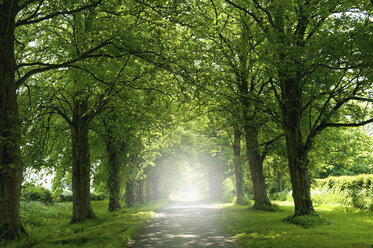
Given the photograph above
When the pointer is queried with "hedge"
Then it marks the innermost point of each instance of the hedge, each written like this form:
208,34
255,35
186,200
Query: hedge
356,191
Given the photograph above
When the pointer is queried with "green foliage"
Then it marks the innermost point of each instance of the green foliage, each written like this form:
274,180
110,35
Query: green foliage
31,192
284,195
98,196
259,229
65,196
342,152
356,191
47,225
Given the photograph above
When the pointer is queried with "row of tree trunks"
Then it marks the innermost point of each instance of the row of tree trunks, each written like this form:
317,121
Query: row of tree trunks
11,171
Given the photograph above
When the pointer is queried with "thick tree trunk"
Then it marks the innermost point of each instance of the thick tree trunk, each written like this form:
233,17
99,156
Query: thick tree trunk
113,178
81,165
237,166
10,156
140,191
130,193
252,146
256,166
301,185
297,156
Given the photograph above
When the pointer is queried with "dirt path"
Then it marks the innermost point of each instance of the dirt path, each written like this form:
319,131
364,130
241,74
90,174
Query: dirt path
184,225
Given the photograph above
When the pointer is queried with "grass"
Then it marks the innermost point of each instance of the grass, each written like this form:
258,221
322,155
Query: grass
344,227
48,225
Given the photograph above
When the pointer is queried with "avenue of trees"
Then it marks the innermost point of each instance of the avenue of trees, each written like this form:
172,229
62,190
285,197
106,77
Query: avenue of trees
111,95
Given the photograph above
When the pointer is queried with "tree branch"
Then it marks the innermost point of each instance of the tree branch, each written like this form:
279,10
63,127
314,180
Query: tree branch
47,67
50,16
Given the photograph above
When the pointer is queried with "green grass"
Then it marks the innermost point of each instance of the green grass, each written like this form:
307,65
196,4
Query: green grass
48,225
344,227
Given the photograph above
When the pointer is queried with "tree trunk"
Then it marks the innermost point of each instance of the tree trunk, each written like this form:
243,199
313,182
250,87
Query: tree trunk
130,193
279,182
11,171
148,189
252,145
297,156
215,182
140,191
155,195
81,165
256,166
113,178
237,166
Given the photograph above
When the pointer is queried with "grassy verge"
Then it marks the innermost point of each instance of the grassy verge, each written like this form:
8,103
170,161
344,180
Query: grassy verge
48,225
345,227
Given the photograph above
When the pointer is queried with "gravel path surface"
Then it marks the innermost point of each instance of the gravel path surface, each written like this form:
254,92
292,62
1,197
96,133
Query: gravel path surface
188,224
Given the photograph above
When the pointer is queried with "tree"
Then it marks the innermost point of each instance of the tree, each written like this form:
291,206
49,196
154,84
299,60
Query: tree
314,59
32,13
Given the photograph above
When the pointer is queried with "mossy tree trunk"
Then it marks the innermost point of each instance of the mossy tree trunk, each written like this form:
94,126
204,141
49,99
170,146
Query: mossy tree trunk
113,180
115,152
130,193
297,155
11,168
81,164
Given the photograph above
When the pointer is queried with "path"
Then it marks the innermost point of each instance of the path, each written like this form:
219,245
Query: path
184,225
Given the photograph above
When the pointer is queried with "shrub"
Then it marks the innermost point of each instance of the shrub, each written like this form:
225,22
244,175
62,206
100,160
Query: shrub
30,192
281,196
356,191
65,196
98,196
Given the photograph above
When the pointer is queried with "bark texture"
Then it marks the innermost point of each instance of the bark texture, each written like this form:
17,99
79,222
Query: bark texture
11,169
81,164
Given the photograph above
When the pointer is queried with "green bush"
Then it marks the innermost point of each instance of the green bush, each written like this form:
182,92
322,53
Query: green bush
281,196
98,196
356,191
30,192
65,196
